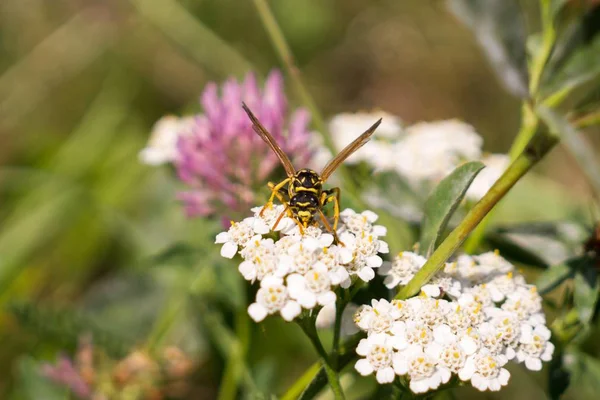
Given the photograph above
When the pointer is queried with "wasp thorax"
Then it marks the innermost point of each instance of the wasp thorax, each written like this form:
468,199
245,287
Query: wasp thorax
306,180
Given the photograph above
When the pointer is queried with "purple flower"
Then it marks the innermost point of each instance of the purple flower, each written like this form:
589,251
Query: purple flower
65,373
222,160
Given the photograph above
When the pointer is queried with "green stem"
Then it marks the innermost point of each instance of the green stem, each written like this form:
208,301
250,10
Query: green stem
529,119
529,125
541,58
337,328
308,326
588,120
298,387
537,148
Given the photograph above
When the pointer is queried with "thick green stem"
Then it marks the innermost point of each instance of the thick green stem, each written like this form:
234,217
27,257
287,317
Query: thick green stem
537,148
529,125
529,119
540,59
308,326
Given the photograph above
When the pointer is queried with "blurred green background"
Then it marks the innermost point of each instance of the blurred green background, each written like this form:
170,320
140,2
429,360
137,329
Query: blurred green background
83,81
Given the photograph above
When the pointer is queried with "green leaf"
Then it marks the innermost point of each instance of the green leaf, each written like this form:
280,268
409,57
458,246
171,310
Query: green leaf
500,30
585,375
586,292
582,151
580,68
557,274
442,203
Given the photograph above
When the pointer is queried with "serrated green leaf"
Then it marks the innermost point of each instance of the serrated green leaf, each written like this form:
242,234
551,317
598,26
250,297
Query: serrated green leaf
582,151
500,30
442,203
585,295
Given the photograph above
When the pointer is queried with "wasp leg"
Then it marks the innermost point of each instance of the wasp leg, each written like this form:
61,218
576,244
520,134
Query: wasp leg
330,229
274,192
333,195
280,194
286,210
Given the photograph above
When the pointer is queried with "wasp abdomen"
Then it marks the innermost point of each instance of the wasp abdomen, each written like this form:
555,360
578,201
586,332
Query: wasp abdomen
304,205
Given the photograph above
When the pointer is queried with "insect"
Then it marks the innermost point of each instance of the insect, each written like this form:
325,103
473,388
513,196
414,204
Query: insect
305,197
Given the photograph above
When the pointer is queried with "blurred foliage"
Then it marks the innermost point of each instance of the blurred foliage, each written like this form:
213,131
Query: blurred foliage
84,226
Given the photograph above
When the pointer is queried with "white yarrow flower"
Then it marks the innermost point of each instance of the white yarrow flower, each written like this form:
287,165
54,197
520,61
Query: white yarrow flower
378,358
273,297
162,145
301,270
468,321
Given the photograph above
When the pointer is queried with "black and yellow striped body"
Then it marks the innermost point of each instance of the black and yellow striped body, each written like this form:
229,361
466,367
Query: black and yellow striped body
305,191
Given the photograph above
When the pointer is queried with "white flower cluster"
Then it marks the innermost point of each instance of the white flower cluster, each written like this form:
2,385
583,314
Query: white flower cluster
469,321
299,271
423,153
162,146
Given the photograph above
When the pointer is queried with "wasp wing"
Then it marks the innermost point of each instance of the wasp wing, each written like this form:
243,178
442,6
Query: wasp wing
348,150
266,136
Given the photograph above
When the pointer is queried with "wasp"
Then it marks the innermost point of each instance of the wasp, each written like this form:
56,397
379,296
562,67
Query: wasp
305,197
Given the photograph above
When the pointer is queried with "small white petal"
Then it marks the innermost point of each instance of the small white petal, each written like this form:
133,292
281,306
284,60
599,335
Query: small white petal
371,216
247,270
229,249
363,367
533,364
257,312
431,290
419,386
325,240
346,255
222,237
385,375
379,230
504,376
374,261
290,310
400,364
260,226
468,370
384,248
326,298
363,347
366,274
468,345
